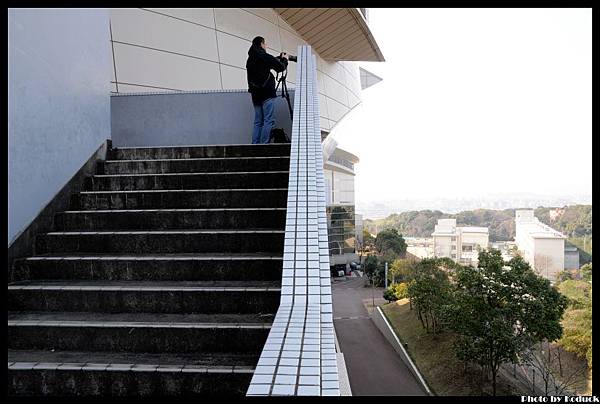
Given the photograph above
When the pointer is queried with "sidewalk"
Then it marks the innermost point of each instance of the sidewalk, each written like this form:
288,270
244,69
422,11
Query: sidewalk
374,367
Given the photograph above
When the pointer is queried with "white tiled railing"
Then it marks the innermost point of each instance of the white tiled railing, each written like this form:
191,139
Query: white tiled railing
299,357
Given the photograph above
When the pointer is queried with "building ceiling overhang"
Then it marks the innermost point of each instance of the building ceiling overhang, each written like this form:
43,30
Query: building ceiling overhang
334,33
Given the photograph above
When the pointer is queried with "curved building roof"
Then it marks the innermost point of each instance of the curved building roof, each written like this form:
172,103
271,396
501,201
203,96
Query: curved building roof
335,33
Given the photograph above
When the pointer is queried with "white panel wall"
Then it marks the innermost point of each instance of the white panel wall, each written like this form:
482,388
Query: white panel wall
156,69
482,239
164,49
233,50
246,25
233,79
342,187
144,28
201,16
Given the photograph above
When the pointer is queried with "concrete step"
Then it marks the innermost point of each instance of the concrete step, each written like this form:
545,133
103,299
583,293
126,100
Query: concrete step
161,241
165,267
138,332
132,182
145,297
195,165
171,219
81,373
186,152
181,199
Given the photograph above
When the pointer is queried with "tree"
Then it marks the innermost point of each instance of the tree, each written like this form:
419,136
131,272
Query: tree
564,276
500,311
586,272
401,269
390,245
367,244
448,264
368,239
543,358
577,322
514,251
430,292
372,267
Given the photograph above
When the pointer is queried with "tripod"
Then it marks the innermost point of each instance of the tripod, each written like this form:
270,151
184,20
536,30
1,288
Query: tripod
284,91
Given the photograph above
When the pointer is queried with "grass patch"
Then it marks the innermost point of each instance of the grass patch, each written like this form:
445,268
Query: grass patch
435,358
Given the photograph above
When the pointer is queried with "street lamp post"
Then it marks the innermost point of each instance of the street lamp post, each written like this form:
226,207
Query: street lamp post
386,272
373,290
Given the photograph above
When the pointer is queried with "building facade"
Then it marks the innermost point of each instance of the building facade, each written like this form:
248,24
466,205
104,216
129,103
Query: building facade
506,248
170,50
460,243
420,247
542,246
571,257
339,182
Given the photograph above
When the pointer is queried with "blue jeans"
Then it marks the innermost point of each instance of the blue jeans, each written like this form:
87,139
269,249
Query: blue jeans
263,121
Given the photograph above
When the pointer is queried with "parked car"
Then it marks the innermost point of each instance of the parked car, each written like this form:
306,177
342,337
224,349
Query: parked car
338,270
355,266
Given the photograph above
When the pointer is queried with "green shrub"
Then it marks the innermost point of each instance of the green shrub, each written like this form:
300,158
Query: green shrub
396,292
389,295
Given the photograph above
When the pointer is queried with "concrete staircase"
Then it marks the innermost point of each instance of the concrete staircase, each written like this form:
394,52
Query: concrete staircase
162,279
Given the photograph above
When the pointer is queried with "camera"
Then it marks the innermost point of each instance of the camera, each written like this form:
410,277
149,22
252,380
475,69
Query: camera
291,58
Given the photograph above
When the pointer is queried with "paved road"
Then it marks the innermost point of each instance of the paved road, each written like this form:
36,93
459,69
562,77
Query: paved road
374,368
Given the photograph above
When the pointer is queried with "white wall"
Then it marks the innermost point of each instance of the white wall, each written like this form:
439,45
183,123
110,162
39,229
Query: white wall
549,256
206,49
59,68
442,246
477,238
340,187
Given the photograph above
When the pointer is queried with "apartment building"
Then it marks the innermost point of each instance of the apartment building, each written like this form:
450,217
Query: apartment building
460,243
541,245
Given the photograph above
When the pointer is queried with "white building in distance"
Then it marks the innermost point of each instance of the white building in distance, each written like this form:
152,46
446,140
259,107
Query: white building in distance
460,243
541,245
420,247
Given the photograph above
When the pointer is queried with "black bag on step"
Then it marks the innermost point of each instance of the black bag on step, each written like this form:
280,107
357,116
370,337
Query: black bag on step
278,135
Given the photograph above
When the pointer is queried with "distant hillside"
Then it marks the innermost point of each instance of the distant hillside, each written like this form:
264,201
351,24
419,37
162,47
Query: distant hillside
421,223
574,221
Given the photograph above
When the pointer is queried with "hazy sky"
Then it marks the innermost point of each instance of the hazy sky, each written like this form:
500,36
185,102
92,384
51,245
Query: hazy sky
475,101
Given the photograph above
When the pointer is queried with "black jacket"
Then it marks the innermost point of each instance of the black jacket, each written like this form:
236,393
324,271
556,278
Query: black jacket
261,83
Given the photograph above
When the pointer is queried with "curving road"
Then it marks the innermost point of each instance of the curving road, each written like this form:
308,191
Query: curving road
374,368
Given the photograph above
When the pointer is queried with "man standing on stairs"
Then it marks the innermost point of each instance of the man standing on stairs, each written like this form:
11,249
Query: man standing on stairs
261,85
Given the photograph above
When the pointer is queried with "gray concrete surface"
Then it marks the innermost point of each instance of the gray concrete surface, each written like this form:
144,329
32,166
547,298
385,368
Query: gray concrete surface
374,367
384,326
59,64
188,118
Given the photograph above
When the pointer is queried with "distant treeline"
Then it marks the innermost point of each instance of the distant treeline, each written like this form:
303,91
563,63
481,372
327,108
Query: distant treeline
574,221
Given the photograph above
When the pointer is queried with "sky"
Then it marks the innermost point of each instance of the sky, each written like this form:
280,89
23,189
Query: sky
474,102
